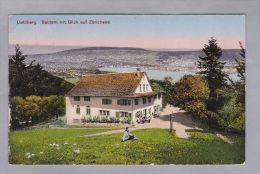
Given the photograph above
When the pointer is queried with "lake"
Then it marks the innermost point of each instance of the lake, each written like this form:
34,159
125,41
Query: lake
158,74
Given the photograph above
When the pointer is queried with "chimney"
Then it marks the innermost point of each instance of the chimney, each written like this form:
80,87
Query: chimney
138,72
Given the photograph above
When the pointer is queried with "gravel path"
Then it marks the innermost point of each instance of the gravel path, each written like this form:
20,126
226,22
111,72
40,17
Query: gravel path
224,138
181,122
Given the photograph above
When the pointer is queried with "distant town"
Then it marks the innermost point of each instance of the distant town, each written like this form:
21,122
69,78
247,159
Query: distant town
73,63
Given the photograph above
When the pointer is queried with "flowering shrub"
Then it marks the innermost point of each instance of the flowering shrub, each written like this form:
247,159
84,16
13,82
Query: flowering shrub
101,119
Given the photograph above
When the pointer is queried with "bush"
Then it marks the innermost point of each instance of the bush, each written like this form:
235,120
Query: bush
232,116
34,109
190,94
101,119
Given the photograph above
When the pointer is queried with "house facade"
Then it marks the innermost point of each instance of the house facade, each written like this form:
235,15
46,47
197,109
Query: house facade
119,95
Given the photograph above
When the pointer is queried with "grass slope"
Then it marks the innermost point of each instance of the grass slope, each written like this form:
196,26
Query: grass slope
154,146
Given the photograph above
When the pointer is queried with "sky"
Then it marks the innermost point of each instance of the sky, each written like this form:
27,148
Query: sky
142,31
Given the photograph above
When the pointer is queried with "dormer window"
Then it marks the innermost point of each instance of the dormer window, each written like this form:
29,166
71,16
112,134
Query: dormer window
146,87
140,88
143,87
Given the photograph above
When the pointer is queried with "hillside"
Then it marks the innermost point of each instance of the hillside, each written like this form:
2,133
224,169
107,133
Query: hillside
95,57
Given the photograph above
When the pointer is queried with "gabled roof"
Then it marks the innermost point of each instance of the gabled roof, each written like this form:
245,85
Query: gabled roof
112,84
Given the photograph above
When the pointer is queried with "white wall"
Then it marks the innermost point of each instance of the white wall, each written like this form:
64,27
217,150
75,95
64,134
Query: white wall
95,105
144,81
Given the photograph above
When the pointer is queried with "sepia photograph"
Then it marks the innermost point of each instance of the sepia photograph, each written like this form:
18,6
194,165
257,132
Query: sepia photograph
125,89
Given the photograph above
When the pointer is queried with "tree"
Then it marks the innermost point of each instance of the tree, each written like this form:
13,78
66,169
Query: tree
16,112
31,111
168,90
211,67
240,86
190,94
17,72
231,116
156,87
55,106
35,109
26,80
241,63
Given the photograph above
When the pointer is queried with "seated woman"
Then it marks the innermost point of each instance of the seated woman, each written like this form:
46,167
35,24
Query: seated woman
128,136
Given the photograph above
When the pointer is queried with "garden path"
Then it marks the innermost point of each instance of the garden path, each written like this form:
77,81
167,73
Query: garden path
181,122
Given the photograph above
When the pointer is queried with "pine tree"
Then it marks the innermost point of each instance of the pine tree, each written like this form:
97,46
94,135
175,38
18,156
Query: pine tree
240,85
241,64
211,67
26,80
17,72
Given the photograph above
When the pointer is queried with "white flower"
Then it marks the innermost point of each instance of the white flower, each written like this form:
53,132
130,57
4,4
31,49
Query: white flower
66,143
152,164
29,155
41,153
77,151
74,144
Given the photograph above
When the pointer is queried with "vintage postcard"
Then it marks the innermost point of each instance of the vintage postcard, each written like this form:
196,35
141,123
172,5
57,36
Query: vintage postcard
127,89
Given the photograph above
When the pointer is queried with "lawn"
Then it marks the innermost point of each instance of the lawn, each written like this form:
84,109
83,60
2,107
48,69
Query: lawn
154,146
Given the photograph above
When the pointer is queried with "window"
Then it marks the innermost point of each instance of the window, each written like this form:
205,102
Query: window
140,88
136,101
76,98
106,101
155,109
123,114
145,112
159,95
143,87
149,99
78,110
88,112
149,111
104,113
144,100
146,87
138,114
123,102
117,115
159,108
86,98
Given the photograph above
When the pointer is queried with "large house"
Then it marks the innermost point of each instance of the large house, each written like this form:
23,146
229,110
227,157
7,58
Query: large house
119,95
